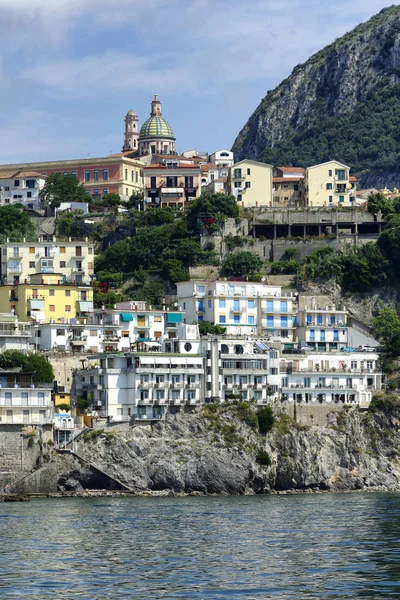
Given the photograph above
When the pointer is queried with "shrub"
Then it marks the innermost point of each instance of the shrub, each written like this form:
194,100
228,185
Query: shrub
290,252
266,419
384,403
263,458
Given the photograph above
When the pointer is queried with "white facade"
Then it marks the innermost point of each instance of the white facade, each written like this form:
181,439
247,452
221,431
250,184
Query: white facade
244,308
24,403
323,328
330,378
13,334
110,330
73,260
21,187
223,158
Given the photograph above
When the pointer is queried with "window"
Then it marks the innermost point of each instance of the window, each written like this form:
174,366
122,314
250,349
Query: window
296,187
67,293
188,347
251,304
67,308
73,173
237,173
95,175
34,293
126,173
105,174
51,292
335,335
189,181
95,192
62,264
105,190
62,249
29,195
32,264
184,306
340,174
322,335
341,198
87,175
222,303
330,198
16,183
222,319
284,321
284,306
132,175
328,186
31,250
312,335
153,182
251,320
248,171
137,177
330,173
236,305
236,318
353,364
248,184
52,308
239,197
209,304
270,306
60,332
65,173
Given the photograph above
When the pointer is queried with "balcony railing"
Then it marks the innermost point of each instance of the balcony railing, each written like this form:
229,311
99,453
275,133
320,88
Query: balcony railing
32,420
318,386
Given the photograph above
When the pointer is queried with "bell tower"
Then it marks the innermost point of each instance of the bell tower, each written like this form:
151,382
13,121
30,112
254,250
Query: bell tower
156,107
131,131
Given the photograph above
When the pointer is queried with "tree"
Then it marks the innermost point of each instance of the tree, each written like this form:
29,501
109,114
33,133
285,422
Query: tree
15,225
389,240
36,364
205,327
386,328
210,211
111,200
241,264
363,267
266,419
379,202
62,188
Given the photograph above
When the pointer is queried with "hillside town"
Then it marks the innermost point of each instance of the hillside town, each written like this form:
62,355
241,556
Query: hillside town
132,363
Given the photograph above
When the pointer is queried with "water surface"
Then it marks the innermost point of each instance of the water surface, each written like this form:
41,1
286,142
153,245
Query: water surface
305,546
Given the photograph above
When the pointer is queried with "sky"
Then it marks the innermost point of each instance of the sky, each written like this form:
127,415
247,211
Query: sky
71,69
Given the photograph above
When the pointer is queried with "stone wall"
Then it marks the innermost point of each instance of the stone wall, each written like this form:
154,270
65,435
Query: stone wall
319,415
16,452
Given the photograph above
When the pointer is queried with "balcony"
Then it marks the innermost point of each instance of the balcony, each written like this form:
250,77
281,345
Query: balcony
318,386
162,385
193,386
30,420
177,385
89,387
145,385
14,268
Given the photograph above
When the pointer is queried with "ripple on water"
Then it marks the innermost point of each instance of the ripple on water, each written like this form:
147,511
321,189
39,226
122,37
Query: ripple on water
314,546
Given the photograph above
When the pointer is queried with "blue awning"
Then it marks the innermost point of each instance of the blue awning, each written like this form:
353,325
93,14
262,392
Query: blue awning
85,306
36,304
174,318
126,317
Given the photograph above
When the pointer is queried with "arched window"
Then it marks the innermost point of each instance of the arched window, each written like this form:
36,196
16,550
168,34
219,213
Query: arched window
238,349
224,349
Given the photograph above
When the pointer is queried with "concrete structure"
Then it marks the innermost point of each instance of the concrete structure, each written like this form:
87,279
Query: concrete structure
244,308
251,183
111,330
171,183
116,173
156,135
14,335
72,260
287,186
21,187
329,184
46,298
131,132
330,378
24,402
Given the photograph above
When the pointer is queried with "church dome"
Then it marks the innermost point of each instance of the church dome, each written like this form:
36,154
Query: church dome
156,127
131,113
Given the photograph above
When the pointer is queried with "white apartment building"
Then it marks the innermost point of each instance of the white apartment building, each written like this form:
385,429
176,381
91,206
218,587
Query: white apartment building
21,187
324,328
14,335
222,158
23,402
244,308
73,260
111,330
191,371
330,378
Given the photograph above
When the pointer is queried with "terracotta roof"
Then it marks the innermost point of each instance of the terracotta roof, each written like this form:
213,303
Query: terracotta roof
352,178
172,170
13,174
286,179
292,169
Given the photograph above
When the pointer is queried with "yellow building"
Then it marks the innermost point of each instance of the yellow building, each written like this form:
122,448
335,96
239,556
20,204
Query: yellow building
73,260
329,184
251,183
46,298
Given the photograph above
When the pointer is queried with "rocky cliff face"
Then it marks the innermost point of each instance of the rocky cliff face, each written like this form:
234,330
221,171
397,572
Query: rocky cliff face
221,453
333,83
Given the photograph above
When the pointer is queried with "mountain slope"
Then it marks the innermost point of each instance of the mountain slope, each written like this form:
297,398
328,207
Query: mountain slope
343,103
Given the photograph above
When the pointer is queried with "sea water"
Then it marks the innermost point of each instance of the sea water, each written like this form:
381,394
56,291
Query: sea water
292,546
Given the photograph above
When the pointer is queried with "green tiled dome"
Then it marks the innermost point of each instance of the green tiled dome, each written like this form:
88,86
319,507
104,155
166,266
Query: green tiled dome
156,127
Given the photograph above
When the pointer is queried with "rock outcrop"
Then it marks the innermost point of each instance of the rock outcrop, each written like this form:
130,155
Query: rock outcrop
331,93
191,453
